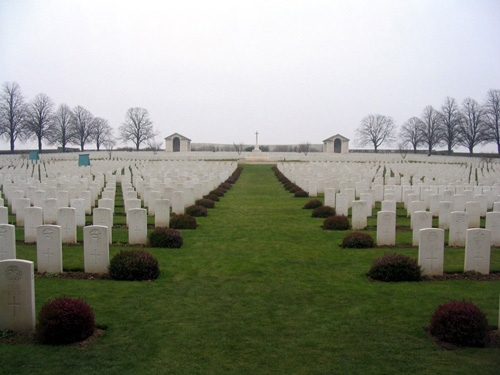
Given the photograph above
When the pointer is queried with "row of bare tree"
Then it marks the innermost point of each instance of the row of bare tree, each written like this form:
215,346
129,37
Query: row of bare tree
40,120
469,124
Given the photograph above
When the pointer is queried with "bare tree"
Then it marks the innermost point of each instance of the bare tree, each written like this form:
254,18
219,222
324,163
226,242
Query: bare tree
492,108
12,113
109,144
61,133
377,130
102,132
239,147
305,147
451,120
410,134
154,145
39,119
138,127
473,130
82,126
431,129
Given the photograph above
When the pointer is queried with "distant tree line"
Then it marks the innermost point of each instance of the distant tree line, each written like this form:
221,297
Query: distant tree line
41,120
469,125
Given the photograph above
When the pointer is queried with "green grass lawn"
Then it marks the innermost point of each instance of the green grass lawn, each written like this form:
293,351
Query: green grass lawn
260,288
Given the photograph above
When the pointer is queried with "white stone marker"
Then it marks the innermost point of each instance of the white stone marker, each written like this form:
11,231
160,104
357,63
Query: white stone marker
95,249
359,220
154,195
459,223
62,197
137,227
106,203
162,213
473,210
66,219
79,205
17,295
104,217
431,251
477,250
493,224
22,204
445,209
342,204
386,228
421,220
7,241
330,197
50,211
49,249
178,202
131,204
368,198
4,215
388,206
32,219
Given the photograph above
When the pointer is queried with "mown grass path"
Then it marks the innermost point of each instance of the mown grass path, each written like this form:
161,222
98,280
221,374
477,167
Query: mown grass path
259,288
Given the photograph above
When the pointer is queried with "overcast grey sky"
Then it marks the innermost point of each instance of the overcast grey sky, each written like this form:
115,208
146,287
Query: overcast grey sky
217,71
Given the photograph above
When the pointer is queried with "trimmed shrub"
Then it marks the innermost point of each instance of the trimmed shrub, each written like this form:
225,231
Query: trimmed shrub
301,194
323,211
295,189
196,211
356,240
64,321
226,186
212,197
219,192
207,203
313,204
336,222
461,323
183,221
166,237
395,267
134,265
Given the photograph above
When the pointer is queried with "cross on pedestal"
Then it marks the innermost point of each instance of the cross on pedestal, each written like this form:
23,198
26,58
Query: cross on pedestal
14,304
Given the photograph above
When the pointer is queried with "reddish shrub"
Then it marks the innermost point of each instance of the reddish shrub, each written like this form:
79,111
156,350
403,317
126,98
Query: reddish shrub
395,267
323,211
166,237
219,192
212,197
207,203
313,204
183,221
336,222
460,323
356,240
196,211
301,194
64,321
134,265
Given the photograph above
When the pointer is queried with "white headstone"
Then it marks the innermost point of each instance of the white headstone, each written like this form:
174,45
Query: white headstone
459,223
477,250
342,205
421,220
17,295
4,215
95,249
493,224
473,210
66,219
49,249
431,251
137,227
79,205
50,211
178,202
104,217
32,219
359,217
7,241
21,204
445,209
386,228
330,197
162,213
388,206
